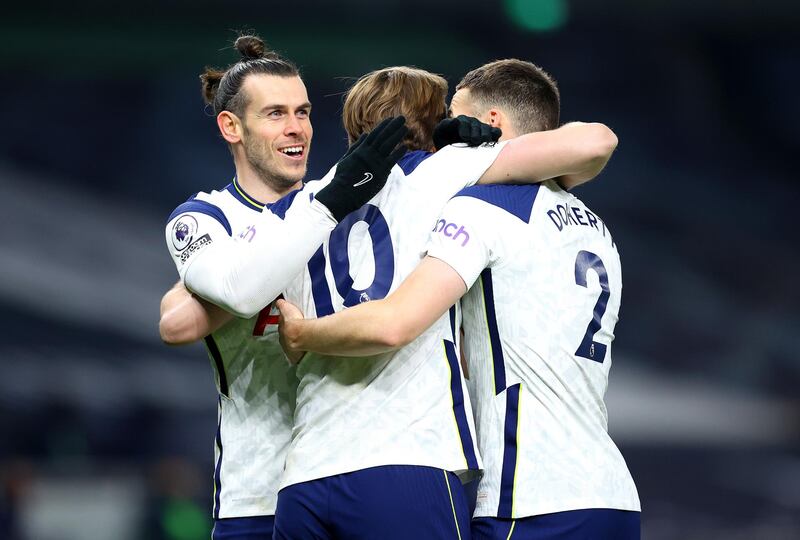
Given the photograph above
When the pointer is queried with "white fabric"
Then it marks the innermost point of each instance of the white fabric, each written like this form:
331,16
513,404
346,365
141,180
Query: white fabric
397,408
255,417
243,277
565,459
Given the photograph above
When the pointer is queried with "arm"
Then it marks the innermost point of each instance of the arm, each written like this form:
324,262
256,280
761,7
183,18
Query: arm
186,318
575,152
243,277
380,325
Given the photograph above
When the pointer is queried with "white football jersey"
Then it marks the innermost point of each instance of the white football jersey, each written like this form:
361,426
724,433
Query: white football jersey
256,385
408,407
545,283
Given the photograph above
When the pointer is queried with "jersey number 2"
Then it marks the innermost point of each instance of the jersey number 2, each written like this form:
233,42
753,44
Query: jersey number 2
382,251
589,348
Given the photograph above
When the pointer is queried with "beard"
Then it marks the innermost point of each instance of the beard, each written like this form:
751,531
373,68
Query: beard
259,156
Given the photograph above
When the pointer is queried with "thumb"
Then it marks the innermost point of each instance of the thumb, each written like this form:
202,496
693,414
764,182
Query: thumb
288,310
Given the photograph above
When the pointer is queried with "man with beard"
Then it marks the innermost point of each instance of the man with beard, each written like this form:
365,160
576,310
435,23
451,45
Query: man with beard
220,239
422,184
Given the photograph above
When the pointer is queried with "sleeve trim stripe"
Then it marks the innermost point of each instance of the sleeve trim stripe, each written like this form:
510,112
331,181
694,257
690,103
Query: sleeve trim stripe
202,207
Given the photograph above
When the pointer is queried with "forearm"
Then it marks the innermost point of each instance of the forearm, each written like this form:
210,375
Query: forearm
186,319
243,277
382,325
599,144
576,152
363,330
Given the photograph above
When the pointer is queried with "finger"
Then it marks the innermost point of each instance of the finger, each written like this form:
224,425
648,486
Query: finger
447,121
399,152
377,130
288,310
390,139
496,134
475,133
295,357
449,126
486,133
464,127
397,123
355,145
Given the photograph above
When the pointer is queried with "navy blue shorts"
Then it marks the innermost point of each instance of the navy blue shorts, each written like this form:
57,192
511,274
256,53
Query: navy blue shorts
243,528
391,502
594,523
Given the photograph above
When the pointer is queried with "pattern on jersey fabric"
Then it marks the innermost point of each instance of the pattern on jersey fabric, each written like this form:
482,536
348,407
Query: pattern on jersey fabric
459,411
498,361
508,476
213,350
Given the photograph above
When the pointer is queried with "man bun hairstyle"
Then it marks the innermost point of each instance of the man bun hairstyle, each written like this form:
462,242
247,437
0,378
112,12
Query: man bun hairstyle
250,47
526,93
222,89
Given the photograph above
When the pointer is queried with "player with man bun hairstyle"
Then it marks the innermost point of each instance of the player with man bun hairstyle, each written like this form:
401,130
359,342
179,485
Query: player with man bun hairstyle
237,247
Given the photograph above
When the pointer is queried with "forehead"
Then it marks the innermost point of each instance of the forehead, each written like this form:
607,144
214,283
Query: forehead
461,103
263,89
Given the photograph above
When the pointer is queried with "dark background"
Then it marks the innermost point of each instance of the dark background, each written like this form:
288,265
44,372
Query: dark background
108,434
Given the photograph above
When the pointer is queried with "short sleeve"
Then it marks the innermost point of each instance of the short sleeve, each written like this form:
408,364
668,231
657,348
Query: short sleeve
462,239
457,166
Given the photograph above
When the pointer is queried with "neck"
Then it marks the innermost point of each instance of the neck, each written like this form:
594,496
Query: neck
260,188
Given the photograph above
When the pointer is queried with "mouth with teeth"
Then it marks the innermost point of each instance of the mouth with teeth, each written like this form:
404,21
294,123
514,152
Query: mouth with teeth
296,151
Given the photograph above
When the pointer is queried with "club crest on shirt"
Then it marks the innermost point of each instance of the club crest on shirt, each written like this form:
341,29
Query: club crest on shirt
183,232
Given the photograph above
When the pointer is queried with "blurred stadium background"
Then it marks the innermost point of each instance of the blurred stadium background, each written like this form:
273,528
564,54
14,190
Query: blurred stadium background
105,433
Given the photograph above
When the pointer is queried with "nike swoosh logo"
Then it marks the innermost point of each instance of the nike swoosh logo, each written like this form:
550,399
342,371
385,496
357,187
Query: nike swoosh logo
367,178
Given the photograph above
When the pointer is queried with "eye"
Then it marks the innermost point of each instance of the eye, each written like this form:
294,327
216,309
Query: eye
303,113
275,114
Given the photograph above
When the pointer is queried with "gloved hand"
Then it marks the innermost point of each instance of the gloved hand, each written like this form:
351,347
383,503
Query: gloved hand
464,129
363,170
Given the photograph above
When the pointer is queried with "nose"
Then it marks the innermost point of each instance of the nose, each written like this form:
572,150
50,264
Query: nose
293,126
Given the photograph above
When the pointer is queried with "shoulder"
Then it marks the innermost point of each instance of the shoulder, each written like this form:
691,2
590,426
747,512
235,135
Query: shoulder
516,200
201,204
409,162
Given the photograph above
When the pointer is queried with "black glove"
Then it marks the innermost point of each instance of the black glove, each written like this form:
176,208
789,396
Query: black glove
464,129
363,170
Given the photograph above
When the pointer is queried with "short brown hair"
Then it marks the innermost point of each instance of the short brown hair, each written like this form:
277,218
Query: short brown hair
525,92
414,93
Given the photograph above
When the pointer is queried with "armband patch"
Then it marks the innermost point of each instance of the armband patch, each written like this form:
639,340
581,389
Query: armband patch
183,232
194,247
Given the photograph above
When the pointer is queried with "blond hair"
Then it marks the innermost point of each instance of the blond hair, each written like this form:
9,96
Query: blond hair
414,93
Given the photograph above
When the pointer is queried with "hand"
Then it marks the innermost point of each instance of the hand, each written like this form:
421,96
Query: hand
464,129
363,170
288,325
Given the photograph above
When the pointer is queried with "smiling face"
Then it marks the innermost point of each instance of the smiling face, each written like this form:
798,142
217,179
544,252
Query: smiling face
276,128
